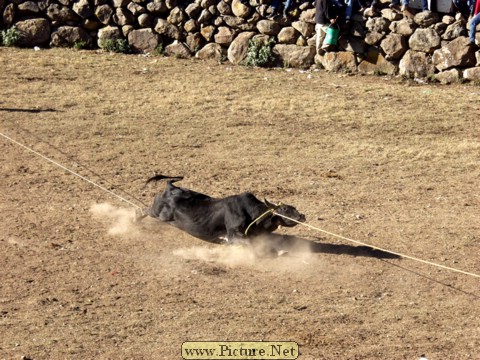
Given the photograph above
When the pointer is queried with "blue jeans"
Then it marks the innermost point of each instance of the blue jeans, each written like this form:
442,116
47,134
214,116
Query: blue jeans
406,2
348,9
473,27
276,3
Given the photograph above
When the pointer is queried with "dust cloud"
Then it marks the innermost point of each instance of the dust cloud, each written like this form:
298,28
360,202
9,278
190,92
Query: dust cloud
120,219
234,255
263,252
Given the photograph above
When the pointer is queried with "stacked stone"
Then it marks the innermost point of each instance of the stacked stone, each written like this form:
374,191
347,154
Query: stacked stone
379,42
416,46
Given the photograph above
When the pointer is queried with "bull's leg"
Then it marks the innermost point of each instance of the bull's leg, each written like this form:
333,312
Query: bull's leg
236,237
140,214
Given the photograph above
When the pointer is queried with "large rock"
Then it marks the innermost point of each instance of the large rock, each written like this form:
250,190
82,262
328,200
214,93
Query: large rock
378,25
104,13
308,16
455,30
224,8
224,36
241,9
237,51
9,15
205,17
164,28
176,17
373,37
294,56
233,21
195,42
211,51
305,28
416,64
426,18
193,10
108,33
207,3
458,53
472,74
426,40
178,49
339,61
191,26
28,8
157,7
288,35
33,32
123,17
376,64
120,3
404,27
449,76
143,40
136,9
391,14
207,32
61,14
394,46
82,8
268,27
68,36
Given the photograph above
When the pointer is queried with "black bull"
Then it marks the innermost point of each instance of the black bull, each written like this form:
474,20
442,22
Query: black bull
214,219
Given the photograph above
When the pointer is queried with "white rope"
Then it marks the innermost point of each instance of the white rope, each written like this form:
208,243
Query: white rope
70,171
286,217
380,249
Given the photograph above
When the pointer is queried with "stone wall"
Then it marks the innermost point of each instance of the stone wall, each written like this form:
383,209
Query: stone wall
381,41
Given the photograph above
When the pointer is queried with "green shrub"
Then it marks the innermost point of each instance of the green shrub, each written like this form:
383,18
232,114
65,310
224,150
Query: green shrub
260,53
115,45
79,45
10,37
159,50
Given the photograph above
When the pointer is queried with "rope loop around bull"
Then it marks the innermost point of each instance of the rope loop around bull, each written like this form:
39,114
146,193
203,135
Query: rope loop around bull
269,211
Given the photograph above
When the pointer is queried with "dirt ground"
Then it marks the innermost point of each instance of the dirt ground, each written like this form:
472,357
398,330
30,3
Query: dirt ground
389,162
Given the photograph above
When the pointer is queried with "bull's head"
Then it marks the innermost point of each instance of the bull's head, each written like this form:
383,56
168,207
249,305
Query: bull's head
288,211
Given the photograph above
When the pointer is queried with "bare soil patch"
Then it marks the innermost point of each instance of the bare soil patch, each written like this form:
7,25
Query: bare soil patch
384,161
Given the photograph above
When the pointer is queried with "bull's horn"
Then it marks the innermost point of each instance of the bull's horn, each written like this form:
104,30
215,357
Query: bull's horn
269,204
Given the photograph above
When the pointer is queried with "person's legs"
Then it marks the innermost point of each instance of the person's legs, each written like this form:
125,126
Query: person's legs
348,9
425,5
287,6
473,27
275,6
319,28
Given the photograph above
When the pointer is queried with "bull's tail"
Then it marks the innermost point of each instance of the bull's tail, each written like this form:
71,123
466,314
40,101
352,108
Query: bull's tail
163,177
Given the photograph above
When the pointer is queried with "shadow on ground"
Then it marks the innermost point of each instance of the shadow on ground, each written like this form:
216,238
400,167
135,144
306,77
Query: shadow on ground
294,244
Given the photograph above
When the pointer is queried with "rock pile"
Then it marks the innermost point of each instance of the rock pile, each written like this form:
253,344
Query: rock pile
381,41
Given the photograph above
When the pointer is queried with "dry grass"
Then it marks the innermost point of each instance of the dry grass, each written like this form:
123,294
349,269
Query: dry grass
386,161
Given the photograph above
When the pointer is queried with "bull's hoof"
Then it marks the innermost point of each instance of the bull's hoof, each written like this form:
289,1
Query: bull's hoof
281,253
238,242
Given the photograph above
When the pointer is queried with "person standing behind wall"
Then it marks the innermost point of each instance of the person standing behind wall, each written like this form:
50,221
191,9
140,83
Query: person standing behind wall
327,12
475,21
